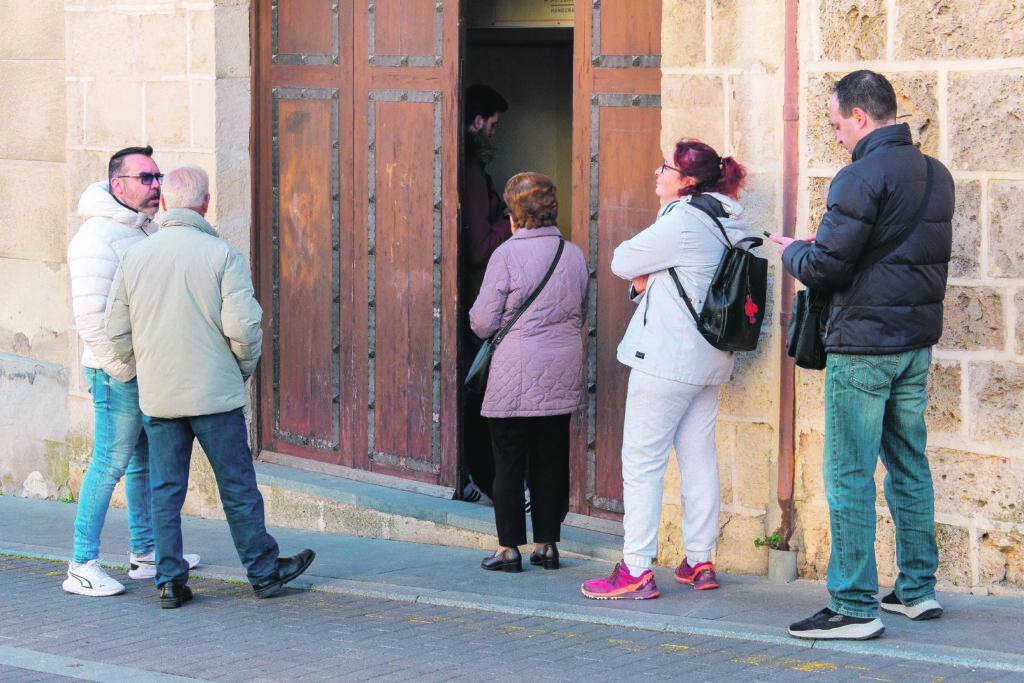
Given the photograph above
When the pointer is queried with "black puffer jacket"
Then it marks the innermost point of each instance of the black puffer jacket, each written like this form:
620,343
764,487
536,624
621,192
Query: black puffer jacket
895,305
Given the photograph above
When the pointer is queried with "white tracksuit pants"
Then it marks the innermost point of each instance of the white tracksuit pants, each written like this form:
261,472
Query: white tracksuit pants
662,413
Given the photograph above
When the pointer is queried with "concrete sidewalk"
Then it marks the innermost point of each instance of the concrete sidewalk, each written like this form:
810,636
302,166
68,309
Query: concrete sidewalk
975,631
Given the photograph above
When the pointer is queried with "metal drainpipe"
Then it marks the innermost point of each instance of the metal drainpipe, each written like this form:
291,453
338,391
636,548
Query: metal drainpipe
790,180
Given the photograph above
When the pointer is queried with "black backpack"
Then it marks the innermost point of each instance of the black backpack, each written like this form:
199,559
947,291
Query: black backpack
734,306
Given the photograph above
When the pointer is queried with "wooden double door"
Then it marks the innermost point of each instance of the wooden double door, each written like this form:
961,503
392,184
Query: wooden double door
356,164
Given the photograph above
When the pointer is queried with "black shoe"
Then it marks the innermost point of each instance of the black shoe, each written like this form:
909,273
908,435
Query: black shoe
172,595
926,609
508,560
287,569
546,555
829,625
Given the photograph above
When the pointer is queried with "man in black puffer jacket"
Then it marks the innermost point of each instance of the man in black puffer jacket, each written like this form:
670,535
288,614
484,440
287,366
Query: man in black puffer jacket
879,328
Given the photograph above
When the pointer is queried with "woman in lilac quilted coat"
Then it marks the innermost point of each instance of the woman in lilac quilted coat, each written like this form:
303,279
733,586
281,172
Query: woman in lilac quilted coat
536,375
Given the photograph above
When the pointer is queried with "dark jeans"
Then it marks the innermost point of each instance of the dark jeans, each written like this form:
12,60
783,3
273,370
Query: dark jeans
542,444
225,442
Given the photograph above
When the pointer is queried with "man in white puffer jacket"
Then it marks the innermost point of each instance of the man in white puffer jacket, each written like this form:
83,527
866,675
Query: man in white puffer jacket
119,213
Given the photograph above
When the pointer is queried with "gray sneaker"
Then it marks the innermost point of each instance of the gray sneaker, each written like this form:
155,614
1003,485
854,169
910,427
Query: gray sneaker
926,609
829,625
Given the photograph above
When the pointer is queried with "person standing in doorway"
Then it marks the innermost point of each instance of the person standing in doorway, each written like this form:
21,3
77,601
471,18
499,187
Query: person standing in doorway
182,306
878,330
485,227
119,213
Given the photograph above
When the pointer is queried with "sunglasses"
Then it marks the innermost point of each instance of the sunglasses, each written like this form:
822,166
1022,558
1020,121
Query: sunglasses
145,178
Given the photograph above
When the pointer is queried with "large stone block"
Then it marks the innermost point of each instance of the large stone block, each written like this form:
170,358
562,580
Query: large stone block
32,30
1001,558
813,538
809,485
231,25
755,446
683,36
693,106
168,113
749,34
852,30
1006,239
34,319
967,231
973,319
32,96
917,105
34,423
755,106
28,214
959,30
996,391
978,486
1018,300
102,43
753,389
202,54
164,50
234,114
944,414
113,114
823,152
202,112
85,167
885,550
954,555
735,551
986,131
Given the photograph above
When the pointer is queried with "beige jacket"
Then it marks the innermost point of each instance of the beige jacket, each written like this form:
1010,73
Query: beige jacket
182,306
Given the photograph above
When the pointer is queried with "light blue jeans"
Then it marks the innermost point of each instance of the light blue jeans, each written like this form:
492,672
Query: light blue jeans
120,449
874,406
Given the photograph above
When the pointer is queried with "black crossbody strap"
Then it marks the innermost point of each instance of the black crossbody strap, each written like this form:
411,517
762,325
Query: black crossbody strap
682,295
877,255
526,304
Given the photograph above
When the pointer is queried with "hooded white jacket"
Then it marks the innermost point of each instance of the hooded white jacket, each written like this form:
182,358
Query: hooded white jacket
93,256
662,338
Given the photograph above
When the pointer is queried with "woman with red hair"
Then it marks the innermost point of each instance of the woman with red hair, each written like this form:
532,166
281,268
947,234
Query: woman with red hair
675,374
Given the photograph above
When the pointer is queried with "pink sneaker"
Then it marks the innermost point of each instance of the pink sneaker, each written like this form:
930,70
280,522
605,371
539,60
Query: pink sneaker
702,577
621,584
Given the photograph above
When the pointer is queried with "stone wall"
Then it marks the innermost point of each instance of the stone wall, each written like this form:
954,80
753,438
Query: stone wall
961,93
88,77
35,340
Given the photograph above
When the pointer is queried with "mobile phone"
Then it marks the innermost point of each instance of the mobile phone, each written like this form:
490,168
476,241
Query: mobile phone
767,234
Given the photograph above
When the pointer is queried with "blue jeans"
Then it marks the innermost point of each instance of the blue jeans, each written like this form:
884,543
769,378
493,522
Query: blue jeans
225,442
874,405
119,450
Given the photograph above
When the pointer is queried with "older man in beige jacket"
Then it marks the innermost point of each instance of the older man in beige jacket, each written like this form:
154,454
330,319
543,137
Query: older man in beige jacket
181,306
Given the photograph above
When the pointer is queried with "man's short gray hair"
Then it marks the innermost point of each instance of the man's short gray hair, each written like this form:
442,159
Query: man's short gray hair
185,187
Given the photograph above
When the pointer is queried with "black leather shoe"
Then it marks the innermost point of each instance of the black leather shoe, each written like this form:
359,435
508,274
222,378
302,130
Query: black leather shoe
172,595
546,555
508,560
287,569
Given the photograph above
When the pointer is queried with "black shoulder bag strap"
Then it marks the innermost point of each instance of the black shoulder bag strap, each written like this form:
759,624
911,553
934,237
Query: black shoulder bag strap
496,339
877,255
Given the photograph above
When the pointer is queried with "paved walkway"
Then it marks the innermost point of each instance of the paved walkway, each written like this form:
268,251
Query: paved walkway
975,631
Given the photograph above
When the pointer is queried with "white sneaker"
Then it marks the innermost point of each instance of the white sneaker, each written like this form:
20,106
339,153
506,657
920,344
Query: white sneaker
144,566
90,579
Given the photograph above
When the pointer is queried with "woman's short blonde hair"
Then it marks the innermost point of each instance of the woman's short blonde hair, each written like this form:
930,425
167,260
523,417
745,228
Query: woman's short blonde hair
531,200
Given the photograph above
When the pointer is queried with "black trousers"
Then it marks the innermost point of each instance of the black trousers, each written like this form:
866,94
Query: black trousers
541,446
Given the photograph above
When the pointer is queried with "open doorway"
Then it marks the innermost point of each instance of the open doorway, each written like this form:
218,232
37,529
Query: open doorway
532,69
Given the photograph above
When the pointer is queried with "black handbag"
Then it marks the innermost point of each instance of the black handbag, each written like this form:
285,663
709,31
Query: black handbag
476,378
804,342
733,310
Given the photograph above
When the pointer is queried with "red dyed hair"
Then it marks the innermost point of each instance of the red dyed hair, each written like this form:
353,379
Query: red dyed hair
713,173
